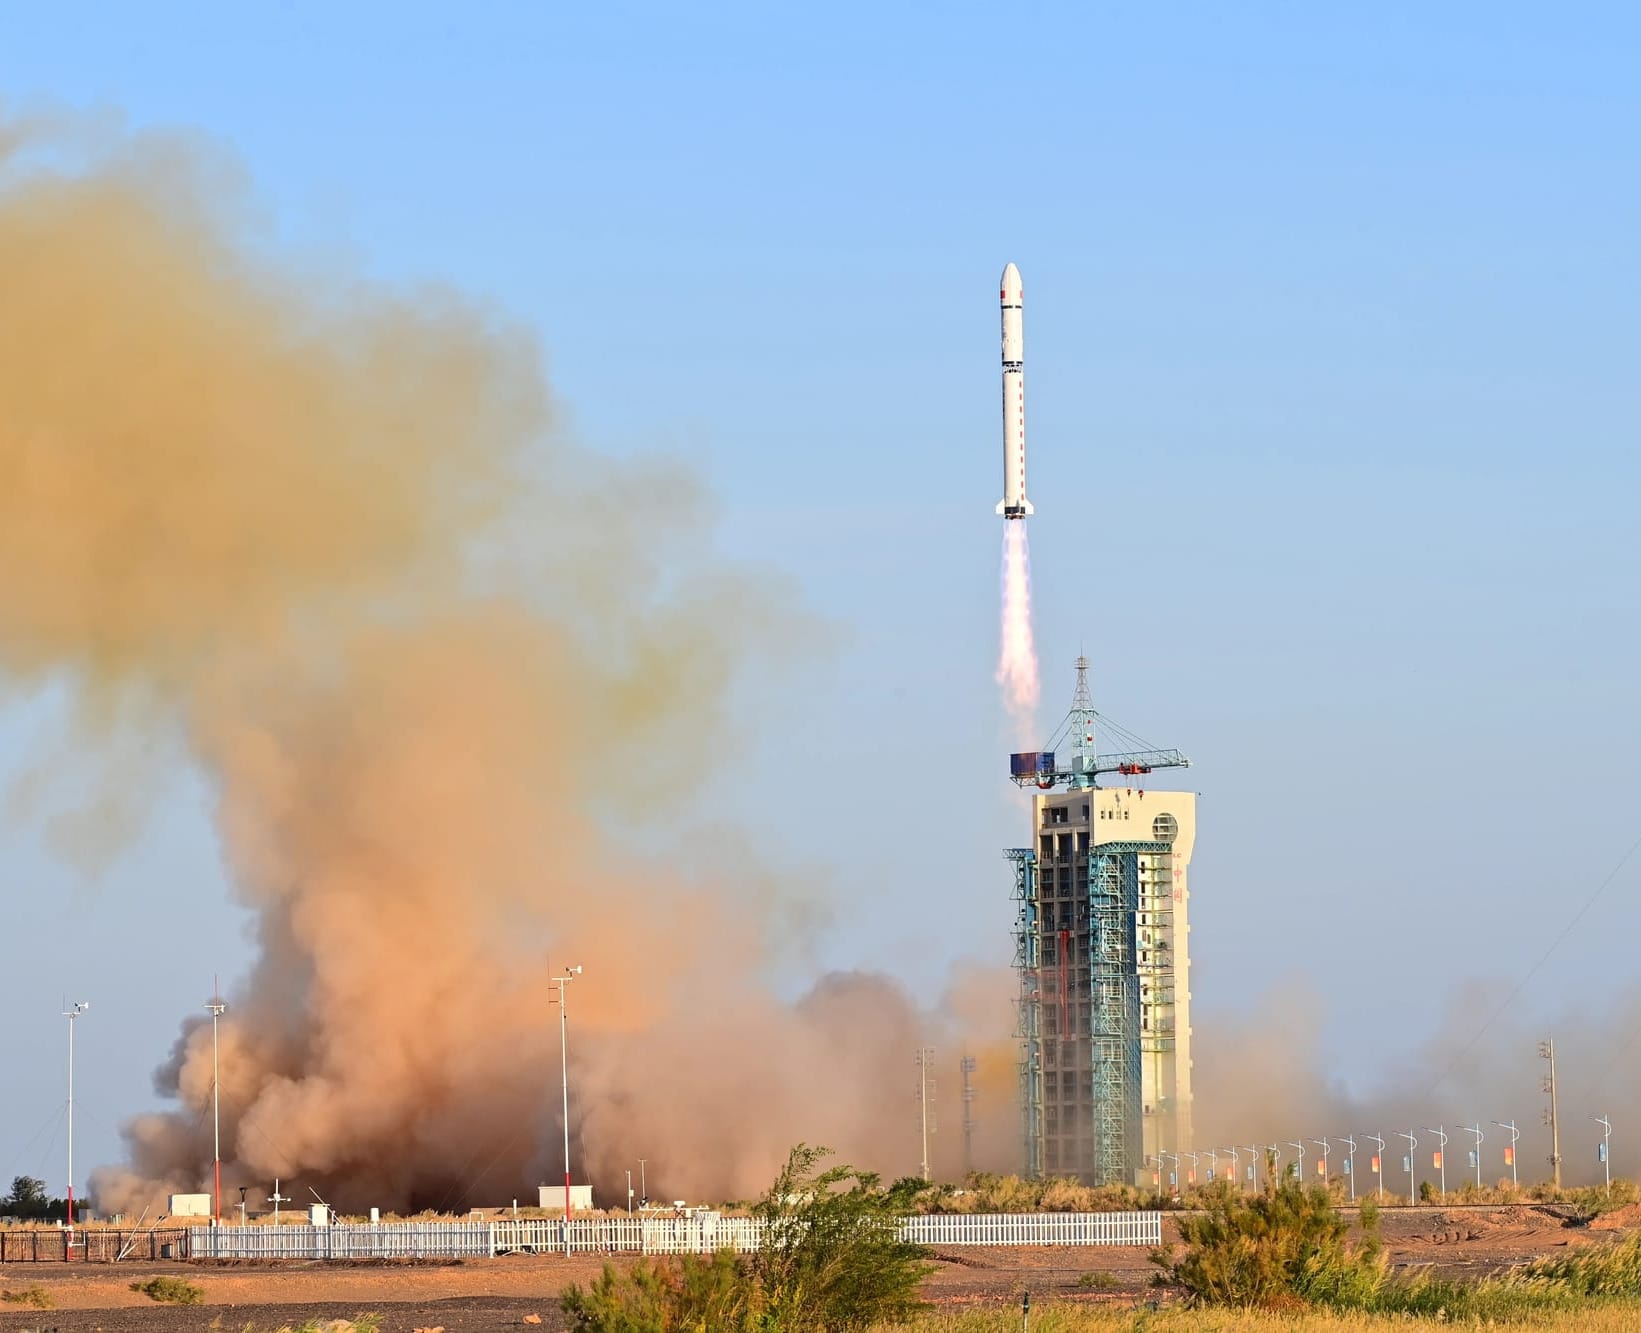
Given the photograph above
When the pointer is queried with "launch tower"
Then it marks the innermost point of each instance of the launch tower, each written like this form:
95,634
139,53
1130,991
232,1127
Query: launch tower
1101,951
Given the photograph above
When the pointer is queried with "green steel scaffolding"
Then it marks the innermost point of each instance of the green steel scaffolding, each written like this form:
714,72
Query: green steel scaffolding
1027,963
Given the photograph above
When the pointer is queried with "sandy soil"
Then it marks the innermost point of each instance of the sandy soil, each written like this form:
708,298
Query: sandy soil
489,1294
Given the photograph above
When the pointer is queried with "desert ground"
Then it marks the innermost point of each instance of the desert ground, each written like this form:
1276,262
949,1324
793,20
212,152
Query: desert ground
474,1296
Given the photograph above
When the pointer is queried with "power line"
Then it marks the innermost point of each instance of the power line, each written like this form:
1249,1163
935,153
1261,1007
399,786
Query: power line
1533,971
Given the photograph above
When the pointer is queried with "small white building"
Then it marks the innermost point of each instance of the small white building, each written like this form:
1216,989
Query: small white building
189,1205
552,1196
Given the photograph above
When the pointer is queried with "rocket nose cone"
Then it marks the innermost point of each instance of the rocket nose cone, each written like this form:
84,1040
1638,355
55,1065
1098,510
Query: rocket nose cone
1011,281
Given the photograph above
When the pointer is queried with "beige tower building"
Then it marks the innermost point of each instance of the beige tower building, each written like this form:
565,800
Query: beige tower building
1102,951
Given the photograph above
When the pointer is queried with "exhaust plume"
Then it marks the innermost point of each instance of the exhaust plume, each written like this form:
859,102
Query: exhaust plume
1017,659
449,675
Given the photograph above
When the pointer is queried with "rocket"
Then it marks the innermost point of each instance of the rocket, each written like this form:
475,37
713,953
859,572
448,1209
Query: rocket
1012,298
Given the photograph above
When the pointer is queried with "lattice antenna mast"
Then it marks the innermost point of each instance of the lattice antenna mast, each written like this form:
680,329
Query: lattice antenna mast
1082,714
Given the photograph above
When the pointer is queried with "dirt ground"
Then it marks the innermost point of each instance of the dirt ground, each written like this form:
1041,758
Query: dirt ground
475,1296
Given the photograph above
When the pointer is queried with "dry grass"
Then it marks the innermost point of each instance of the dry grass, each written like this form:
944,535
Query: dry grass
1614,1318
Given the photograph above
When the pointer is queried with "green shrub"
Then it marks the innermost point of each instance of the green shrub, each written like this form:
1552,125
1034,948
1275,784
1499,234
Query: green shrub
661,1296
1099,1282
36,1296
170,1291
831,1258
1282,1246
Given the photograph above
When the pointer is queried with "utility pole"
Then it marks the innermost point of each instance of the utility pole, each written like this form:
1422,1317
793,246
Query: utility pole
968,1067
1510,1152
217,1008
925,1090
1606,1157
71,1014
1547,1051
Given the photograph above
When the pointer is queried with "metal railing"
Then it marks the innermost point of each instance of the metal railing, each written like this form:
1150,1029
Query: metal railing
99,1245
698,1233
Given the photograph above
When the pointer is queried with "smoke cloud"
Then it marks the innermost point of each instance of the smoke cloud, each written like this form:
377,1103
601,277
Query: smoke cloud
1258,1082
452,678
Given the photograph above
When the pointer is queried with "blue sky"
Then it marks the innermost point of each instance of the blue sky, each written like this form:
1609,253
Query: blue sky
1331,345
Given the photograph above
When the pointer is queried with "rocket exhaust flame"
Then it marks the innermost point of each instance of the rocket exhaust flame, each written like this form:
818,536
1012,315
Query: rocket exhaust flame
1017,662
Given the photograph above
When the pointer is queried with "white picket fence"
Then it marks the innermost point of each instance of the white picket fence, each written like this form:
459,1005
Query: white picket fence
369,1240
700,1233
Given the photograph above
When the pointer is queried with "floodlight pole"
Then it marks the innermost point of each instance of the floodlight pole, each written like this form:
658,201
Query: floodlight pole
1350,1163
1441,1151
1514,1135
1547,1051
1379,1184
217,1008
71,1014
564,1065
1606,1157
1412,1165
1476,1130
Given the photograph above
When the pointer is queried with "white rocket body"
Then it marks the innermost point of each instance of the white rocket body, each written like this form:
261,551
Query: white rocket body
1014,503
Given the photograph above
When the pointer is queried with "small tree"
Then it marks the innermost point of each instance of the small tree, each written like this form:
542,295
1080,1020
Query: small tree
27,1199
831,1255
831,1258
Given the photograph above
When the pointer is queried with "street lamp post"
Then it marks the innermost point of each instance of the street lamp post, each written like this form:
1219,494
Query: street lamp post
217,1009
1441,1154
1510,1152
1476,1130
643,1184
1606,1157
1255,1157
1326,1150
1299,1162
71,1014
1350,1164
1412,1147
571,973
1378,1162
